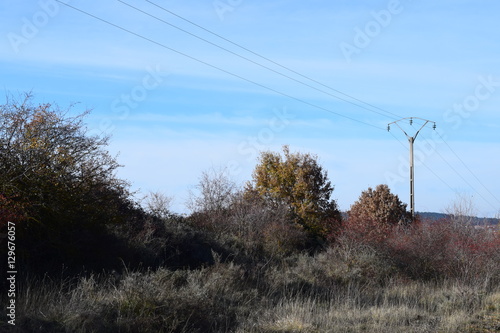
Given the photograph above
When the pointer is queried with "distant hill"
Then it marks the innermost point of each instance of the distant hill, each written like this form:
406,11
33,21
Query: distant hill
476,220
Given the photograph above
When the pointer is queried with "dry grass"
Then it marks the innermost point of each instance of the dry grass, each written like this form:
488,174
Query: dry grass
225,298
159,301
411,307
348,287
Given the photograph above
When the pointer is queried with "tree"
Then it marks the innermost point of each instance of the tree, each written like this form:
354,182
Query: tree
215,192
158,205
299,182
63,179
376,211
210,201
462,210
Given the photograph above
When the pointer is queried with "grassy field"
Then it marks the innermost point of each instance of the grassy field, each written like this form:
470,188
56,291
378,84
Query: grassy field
345,288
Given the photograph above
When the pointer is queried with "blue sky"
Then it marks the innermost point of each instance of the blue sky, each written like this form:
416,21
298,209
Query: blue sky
172,117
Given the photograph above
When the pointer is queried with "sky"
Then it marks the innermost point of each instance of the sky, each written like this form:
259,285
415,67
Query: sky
184,87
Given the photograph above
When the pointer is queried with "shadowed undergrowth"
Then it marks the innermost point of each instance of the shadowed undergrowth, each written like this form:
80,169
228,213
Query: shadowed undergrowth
346,288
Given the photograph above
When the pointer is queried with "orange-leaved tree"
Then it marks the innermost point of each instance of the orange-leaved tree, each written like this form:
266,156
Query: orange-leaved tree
298,181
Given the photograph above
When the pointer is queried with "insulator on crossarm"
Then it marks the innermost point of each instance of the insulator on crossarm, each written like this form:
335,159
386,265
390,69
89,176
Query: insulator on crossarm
434,126
388,128
411,121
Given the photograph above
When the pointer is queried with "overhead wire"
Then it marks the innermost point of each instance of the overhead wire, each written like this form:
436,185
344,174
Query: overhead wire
255,62
273,62
463,178
425,165
412,123
468,169
218,68
277,72
297,73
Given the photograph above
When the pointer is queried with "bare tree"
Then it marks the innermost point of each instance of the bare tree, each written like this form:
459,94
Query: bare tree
214,192
462,210
158,204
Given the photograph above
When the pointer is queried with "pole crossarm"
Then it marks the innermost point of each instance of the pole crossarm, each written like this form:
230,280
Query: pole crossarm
411,123
411,140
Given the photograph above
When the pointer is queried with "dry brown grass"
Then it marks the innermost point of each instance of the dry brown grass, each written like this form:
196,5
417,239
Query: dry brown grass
348,287
397,307
226,298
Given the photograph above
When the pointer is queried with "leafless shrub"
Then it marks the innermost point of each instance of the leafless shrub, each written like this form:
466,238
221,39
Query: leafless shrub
214,192
158,204
462,210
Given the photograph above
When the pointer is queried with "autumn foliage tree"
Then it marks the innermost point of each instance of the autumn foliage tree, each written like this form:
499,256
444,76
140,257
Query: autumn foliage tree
56,181
376,212
299,182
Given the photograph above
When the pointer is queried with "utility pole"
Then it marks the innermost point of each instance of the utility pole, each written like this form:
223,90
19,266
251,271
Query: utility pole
411,140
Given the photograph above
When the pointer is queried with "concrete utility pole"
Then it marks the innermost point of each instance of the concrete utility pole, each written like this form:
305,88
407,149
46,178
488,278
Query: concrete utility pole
411,139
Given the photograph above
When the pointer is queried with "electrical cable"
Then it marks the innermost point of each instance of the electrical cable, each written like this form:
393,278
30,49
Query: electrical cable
456,171
435,174
252,61
216,67
468,169
274,62
282,74
463,178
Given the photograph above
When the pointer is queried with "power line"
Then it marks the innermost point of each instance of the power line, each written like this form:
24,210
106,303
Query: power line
255,62
463,178
468,169
411,140
454,169
425,165
272,61
218,68
459,174
268,68
437,176
297,73
400,142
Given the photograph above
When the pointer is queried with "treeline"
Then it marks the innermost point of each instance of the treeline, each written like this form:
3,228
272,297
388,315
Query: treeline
58,185
75,220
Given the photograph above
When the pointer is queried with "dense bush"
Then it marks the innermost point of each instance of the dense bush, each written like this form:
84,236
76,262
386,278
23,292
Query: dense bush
375,214
298,182
57,185
446,249
351,287
434,250
249,225
204,300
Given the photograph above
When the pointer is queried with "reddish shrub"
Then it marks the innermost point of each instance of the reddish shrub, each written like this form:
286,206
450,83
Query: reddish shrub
444,249
373,217
366,231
